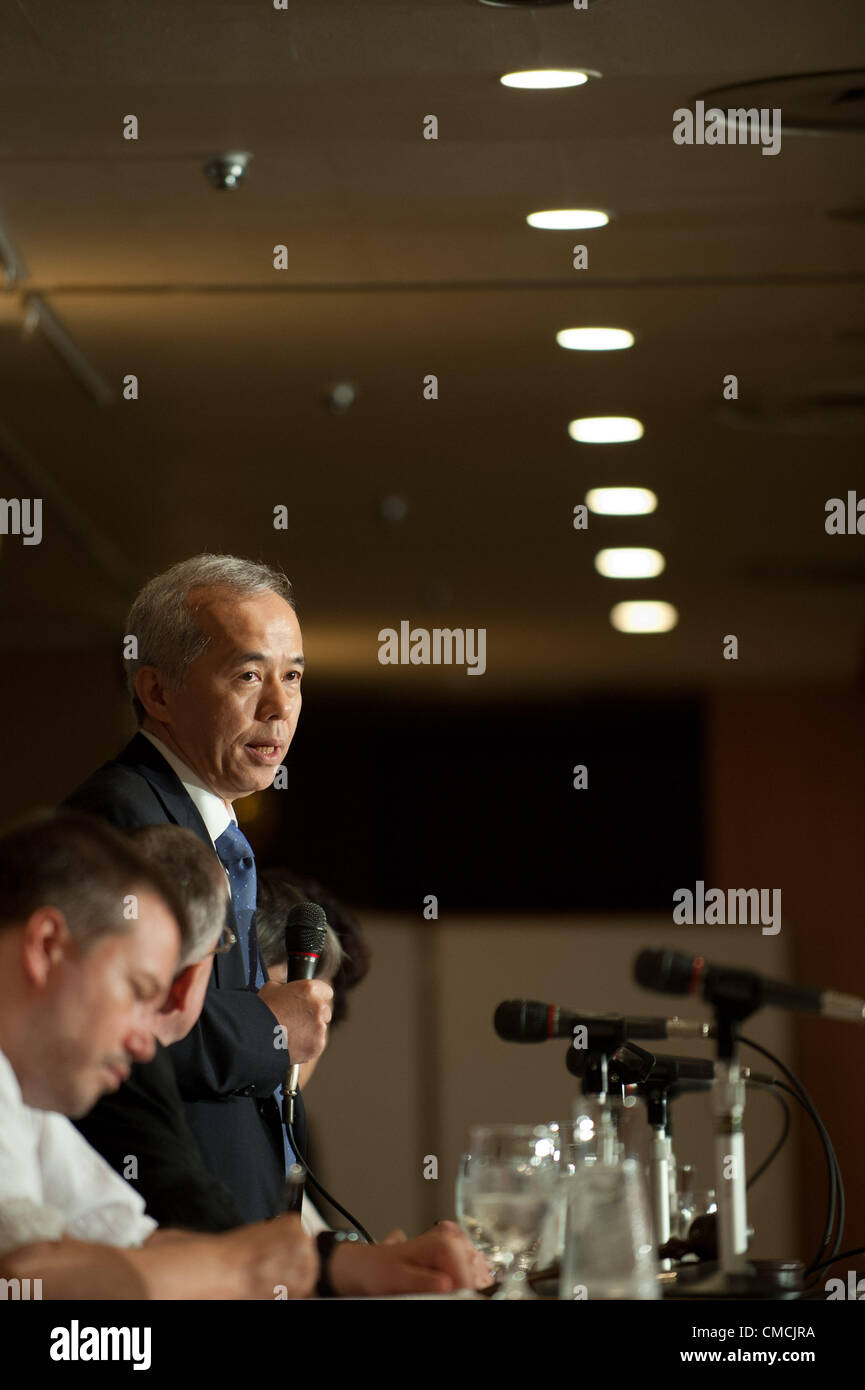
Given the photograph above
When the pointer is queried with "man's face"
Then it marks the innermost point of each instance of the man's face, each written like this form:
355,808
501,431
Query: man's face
101,1004
237,712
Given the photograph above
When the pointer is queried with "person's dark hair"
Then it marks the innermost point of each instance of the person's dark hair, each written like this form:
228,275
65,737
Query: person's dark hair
83,866
198,876
276,898
281,889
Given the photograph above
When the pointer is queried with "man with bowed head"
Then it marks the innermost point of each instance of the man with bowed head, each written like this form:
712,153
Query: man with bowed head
89,940
90,936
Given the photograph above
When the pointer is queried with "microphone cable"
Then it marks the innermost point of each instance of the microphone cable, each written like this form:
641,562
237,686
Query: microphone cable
778,1146
837,1204
304,936
844,1255
292,1139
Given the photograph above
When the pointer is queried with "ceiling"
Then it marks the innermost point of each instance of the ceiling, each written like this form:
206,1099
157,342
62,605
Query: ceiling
408,257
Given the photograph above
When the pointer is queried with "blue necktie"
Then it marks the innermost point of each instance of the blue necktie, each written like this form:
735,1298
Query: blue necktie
235,852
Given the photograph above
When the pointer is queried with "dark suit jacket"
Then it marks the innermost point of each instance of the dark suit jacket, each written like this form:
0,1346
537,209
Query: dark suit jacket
228,1067
145,1119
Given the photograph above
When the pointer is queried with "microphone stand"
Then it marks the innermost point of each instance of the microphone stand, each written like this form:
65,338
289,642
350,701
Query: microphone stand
730,1183
735,1274
660,1156
592,1066
662,1164
596,1083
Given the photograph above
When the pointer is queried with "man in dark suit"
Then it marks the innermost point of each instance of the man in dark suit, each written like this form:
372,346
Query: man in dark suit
216,687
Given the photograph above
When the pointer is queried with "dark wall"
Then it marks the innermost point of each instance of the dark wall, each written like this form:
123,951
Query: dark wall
388,803
787,808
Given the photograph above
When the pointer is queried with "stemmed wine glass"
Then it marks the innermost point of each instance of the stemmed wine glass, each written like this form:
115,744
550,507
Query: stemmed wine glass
506,1183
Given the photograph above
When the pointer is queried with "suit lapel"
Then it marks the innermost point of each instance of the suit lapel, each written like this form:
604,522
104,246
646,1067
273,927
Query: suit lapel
180,809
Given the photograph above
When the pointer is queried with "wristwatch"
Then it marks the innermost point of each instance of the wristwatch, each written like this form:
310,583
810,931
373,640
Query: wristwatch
326,1240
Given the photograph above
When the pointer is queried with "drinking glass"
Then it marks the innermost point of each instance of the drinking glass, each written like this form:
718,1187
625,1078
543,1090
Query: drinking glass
506,1184
609,1242
686,1202
692,1201
576,1142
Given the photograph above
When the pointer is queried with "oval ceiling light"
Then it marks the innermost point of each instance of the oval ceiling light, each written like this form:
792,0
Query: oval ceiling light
595,339
644,616
605,429
630,562
568,219
621,501
522,4
544,79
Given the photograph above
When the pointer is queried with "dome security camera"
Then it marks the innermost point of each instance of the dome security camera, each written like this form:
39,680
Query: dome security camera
227,170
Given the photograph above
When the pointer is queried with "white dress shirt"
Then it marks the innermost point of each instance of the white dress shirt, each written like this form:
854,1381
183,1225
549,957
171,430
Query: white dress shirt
311,1218
216,813
53,1184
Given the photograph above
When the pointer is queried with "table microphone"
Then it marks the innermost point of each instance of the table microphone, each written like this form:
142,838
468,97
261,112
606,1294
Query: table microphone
528,1020
673,972
305,936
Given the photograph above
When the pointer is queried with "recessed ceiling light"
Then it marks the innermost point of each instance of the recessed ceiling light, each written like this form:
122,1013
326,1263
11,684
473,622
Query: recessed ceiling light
393,508
643,616
810,102
542,79
595,339
568,219
621,501
341,396
605,429
227,170
629,562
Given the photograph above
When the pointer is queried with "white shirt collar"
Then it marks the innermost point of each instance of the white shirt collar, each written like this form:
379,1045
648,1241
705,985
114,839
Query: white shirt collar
215,813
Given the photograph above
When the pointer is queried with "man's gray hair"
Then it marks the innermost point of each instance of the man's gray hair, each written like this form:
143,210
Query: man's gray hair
163,623
199,878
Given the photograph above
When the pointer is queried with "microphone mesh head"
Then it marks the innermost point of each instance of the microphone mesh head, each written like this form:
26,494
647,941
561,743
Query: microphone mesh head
521,1020
668,972
306,929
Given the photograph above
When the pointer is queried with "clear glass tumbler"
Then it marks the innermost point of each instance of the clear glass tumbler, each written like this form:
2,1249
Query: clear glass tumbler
610,1250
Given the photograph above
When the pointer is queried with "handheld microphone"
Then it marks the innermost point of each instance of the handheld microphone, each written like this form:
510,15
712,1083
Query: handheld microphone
673,972
528,1020
305,935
